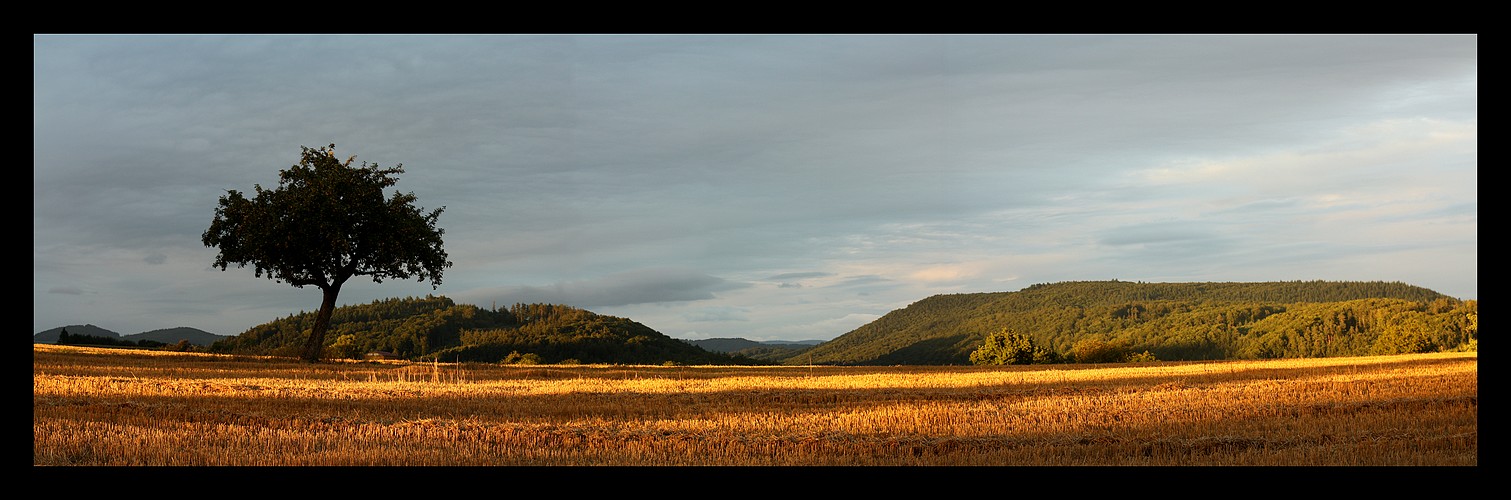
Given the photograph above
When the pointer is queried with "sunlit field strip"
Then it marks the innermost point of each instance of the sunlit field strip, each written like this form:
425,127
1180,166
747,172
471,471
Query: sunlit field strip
105,407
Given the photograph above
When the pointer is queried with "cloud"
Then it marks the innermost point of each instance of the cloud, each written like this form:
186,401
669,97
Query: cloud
867,281
945,272
1374,159
843,174
645,286
1262,206
825,328
792,280
720,313
797,276
1143,234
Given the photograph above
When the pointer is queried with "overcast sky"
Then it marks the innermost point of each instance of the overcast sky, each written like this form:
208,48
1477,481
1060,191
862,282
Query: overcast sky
782,187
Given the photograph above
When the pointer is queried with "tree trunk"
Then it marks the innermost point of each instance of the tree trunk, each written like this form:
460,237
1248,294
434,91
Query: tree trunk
314,347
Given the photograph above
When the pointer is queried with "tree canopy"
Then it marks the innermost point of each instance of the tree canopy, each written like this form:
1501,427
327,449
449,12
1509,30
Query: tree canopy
326,222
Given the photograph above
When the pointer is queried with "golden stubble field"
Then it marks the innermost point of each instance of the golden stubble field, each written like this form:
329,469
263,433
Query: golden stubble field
116,407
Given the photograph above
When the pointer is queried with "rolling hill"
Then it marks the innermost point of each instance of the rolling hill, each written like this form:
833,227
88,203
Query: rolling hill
171,335
166,335
437,328
773,351
50,335
1170,320
1167,321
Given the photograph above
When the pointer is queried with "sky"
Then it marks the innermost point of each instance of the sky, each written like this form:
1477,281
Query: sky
770,187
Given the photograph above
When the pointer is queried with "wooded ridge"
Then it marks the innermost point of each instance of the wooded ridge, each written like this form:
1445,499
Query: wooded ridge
1171,321
436,328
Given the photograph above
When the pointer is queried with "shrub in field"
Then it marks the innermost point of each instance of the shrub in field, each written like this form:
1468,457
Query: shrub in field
1007,348
515,358
1092,350
1471,346
346,347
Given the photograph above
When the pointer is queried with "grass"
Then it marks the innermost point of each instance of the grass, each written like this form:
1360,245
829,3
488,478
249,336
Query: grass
147,408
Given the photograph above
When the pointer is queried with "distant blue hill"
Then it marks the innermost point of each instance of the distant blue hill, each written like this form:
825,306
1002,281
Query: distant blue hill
773,350
166,335
739,344
51,336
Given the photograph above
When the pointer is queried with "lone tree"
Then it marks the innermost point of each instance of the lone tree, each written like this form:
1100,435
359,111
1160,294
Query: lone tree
326,222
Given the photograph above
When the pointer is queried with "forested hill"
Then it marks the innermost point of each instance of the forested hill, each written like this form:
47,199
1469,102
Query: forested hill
437,328
1171,320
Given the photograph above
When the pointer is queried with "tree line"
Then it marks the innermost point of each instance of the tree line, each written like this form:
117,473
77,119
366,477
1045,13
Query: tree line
65,338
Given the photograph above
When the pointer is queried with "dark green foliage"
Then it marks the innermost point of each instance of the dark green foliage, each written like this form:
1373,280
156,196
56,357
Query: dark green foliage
325,223
930,351
1171,321
558,333
515,358
437,328
408,327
